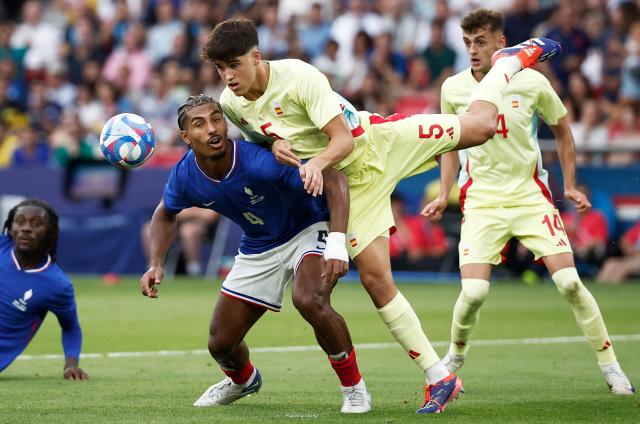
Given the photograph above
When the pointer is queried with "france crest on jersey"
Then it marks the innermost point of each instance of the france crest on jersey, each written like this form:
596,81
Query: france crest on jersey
266,199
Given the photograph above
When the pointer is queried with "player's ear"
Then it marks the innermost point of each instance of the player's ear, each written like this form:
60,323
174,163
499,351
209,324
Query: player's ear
256,57
184,134
502,41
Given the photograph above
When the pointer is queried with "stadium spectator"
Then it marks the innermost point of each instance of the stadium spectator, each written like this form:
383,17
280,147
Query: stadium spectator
273,37
588,233
40,38
439,57
161,35
130,58
417,244
521,20
619,269
314,32
630,88
70,140
328,63
575,42
8,143
32,149
194,224
33,284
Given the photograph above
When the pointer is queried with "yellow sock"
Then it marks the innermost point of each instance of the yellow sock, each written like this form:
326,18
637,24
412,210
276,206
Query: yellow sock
491,87
587,313
466,313
405,327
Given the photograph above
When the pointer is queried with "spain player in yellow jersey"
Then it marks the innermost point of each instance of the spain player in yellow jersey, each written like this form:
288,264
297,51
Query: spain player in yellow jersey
504,193
290,106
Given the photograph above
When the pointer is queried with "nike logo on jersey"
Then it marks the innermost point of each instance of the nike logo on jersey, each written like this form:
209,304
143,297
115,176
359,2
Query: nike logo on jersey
209,204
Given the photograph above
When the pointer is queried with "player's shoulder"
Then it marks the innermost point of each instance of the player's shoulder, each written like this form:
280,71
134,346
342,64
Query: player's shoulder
291,65
529,77
180,170
59,277
5,241
253,155
226,97
458,81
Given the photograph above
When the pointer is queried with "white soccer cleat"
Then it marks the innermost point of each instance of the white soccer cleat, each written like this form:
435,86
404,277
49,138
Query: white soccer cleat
617,381
356,399
453,362
226,391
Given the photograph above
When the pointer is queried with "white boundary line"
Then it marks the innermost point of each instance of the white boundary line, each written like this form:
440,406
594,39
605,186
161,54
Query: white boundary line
363,346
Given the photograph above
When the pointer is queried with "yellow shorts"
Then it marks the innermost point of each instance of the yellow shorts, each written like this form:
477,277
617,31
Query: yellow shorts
396,149
485,231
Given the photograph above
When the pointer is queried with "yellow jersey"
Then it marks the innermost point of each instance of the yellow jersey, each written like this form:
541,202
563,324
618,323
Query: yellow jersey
507,170
297,103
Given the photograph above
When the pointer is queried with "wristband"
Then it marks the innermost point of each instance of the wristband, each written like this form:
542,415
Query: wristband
336,248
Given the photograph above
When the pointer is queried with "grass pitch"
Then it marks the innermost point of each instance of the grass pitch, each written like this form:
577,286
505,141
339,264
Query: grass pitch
521,383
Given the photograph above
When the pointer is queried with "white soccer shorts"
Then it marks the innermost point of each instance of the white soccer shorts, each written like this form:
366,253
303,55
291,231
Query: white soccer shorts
261,279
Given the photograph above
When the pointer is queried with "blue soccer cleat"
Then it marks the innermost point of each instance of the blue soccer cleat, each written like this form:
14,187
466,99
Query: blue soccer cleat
437,396
531,51
226,391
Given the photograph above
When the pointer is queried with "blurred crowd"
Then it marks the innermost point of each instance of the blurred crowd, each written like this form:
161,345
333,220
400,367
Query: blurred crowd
66,66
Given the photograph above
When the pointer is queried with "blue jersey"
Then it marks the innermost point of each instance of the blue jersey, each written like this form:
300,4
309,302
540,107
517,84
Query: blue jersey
265,198
25,298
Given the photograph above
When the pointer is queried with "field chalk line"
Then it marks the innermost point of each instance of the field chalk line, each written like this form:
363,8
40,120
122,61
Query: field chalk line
363,346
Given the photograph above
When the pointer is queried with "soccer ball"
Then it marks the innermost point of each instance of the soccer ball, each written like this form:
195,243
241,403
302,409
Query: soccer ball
127,140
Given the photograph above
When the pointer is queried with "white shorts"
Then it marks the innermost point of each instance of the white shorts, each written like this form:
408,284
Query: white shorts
260,279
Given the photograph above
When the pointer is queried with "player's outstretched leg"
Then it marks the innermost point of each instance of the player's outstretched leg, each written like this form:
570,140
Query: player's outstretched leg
403,323
230,322
311,297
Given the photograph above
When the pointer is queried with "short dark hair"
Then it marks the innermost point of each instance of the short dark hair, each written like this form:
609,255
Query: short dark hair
230,39
192,102
482,18
50,243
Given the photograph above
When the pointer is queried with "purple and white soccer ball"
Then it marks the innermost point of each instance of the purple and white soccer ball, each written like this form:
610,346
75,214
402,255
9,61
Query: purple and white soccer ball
127,140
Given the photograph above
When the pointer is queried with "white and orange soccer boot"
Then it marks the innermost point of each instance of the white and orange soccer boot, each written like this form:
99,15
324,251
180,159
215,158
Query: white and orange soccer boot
531,51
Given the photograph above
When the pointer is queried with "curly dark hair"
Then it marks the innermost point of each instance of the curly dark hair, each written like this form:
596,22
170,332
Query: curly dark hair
192,102
230,39
50,243
481,19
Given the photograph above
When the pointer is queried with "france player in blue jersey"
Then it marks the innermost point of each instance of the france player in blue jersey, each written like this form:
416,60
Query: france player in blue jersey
32,284
286,237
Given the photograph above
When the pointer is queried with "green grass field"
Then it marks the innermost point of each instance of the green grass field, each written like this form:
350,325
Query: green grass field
519,383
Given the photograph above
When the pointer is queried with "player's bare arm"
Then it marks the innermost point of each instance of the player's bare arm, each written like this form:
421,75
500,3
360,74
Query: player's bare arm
335,254
449,166
72,371
340,146
163,232
567,155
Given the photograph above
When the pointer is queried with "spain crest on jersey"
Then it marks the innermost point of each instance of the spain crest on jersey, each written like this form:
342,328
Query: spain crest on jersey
515,102
277,107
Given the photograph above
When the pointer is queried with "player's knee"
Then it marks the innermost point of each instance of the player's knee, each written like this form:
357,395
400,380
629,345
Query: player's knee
474,291
567,281
219,346
310,305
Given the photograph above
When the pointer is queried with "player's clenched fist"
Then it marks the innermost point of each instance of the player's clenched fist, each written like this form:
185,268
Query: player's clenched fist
150,280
